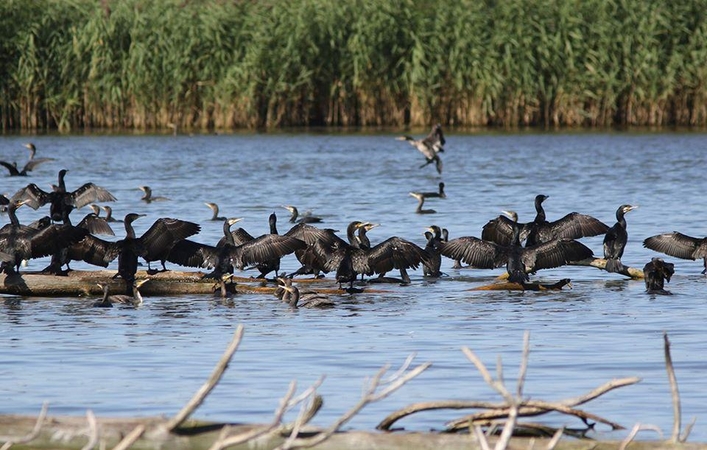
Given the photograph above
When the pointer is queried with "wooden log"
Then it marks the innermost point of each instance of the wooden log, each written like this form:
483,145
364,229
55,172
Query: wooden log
82,283
62,432
507,286
600,263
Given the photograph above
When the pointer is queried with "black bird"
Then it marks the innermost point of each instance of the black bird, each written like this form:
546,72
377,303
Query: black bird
439,194
132,300
420,203
61,201
148,197
615,240
434,256
571,226
430,147
655,274
320,242
519,261
109,214
214,210
229,254
22,242
680,246
29,165
307,217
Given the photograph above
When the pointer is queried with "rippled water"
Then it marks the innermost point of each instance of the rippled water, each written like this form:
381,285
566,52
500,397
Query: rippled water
150,360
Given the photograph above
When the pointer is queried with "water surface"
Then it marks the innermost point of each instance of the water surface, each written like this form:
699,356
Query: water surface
150,360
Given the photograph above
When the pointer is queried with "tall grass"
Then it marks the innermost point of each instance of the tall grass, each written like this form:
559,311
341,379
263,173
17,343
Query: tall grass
219,64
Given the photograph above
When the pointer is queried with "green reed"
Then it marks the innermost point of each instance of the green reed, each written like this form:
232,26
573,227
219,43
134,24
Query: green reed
207,64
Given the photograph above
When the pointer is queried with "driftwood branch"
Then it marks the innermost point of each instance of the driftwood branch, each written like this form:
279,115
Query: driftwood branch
600,263
92,431
130,438
634,431
10,441
211,383
371,394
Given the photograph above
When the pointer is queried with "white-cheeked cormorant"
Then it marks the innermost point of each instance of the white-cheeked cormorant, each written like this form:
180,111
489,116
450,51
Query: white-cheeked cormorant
122,299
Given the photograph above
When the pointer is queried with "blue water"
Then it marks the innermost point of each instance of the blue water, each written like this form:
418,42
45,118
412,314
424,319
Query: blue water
150,360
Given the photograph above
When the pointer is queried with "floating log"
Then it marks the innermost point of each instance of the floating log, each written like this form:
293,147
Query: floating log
84,283
506,286
600,263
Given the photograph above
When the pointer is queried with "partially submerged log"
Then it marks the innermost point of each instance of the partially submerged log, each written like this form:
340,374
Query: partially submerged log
84,283
507,286
600,263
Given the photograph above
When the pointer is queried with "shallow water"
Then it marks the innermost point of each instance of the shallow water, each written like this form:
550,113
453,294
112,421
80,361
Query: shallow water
150,360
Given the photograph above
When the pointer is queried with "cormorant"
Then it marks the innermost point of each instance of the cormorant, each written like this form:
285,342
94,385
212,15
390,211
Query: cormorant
148,197
214,210
439,194
228,254
615,240
571,226
320,242
430,146
421,202
680,246
61,201
304,218
109,214
431,268
655,274
21,242
293,297
519,261
29,165
133,300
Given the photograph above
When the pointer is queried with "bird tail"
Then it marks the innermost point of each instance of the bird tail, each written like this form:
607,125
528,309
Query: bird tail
614,265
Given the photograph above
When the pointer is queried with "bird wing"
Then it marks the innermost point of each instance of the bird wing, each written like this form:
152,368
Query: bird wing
96,225
11,167
474,251
94,251
265,248
395,253
572,226
35,162
36,196
164,233
554,253
89,193
193,254
500,230
54,238
678,245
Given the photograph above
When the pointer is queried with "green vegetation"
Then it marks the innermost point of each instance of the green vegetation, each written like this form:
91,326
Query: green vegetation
205,64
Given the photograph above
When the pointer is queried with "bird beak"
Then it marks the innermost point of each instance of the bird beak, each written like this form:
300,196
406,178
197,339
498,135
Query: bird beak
234,220
369,226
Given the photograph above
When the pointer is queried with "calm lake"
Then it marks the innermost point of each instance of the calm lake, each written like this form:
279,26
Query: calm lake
150,360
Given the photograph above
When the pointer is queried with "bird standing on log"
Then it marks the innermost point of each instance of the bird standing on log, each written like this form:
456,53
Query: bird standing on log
615,240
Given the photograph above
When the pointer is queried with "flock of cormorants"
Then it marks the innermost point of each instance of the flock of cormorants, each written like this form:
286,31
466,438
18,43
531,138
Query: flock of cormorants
523,248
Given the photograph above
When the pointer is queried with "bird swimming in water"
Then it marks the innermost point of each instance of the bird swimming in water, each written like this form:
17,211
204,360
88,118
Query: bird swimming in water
292,295
109,214
655,274
680,246
214,210
571,226
420,203
29,166
307,217
519,261
430,147
61,201
615,240
148,197
439,194
131,300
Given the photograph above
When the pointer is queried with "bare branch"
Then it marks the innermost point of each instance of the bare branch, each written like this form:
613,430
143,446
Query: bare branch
675,436
10,441
481,437
211,383
555,439
523,364
130,438
93,431
636,428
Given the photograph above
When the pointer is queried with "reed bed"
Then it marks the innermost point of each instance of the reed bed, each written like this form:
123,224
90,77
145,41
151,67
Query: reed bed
208,64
